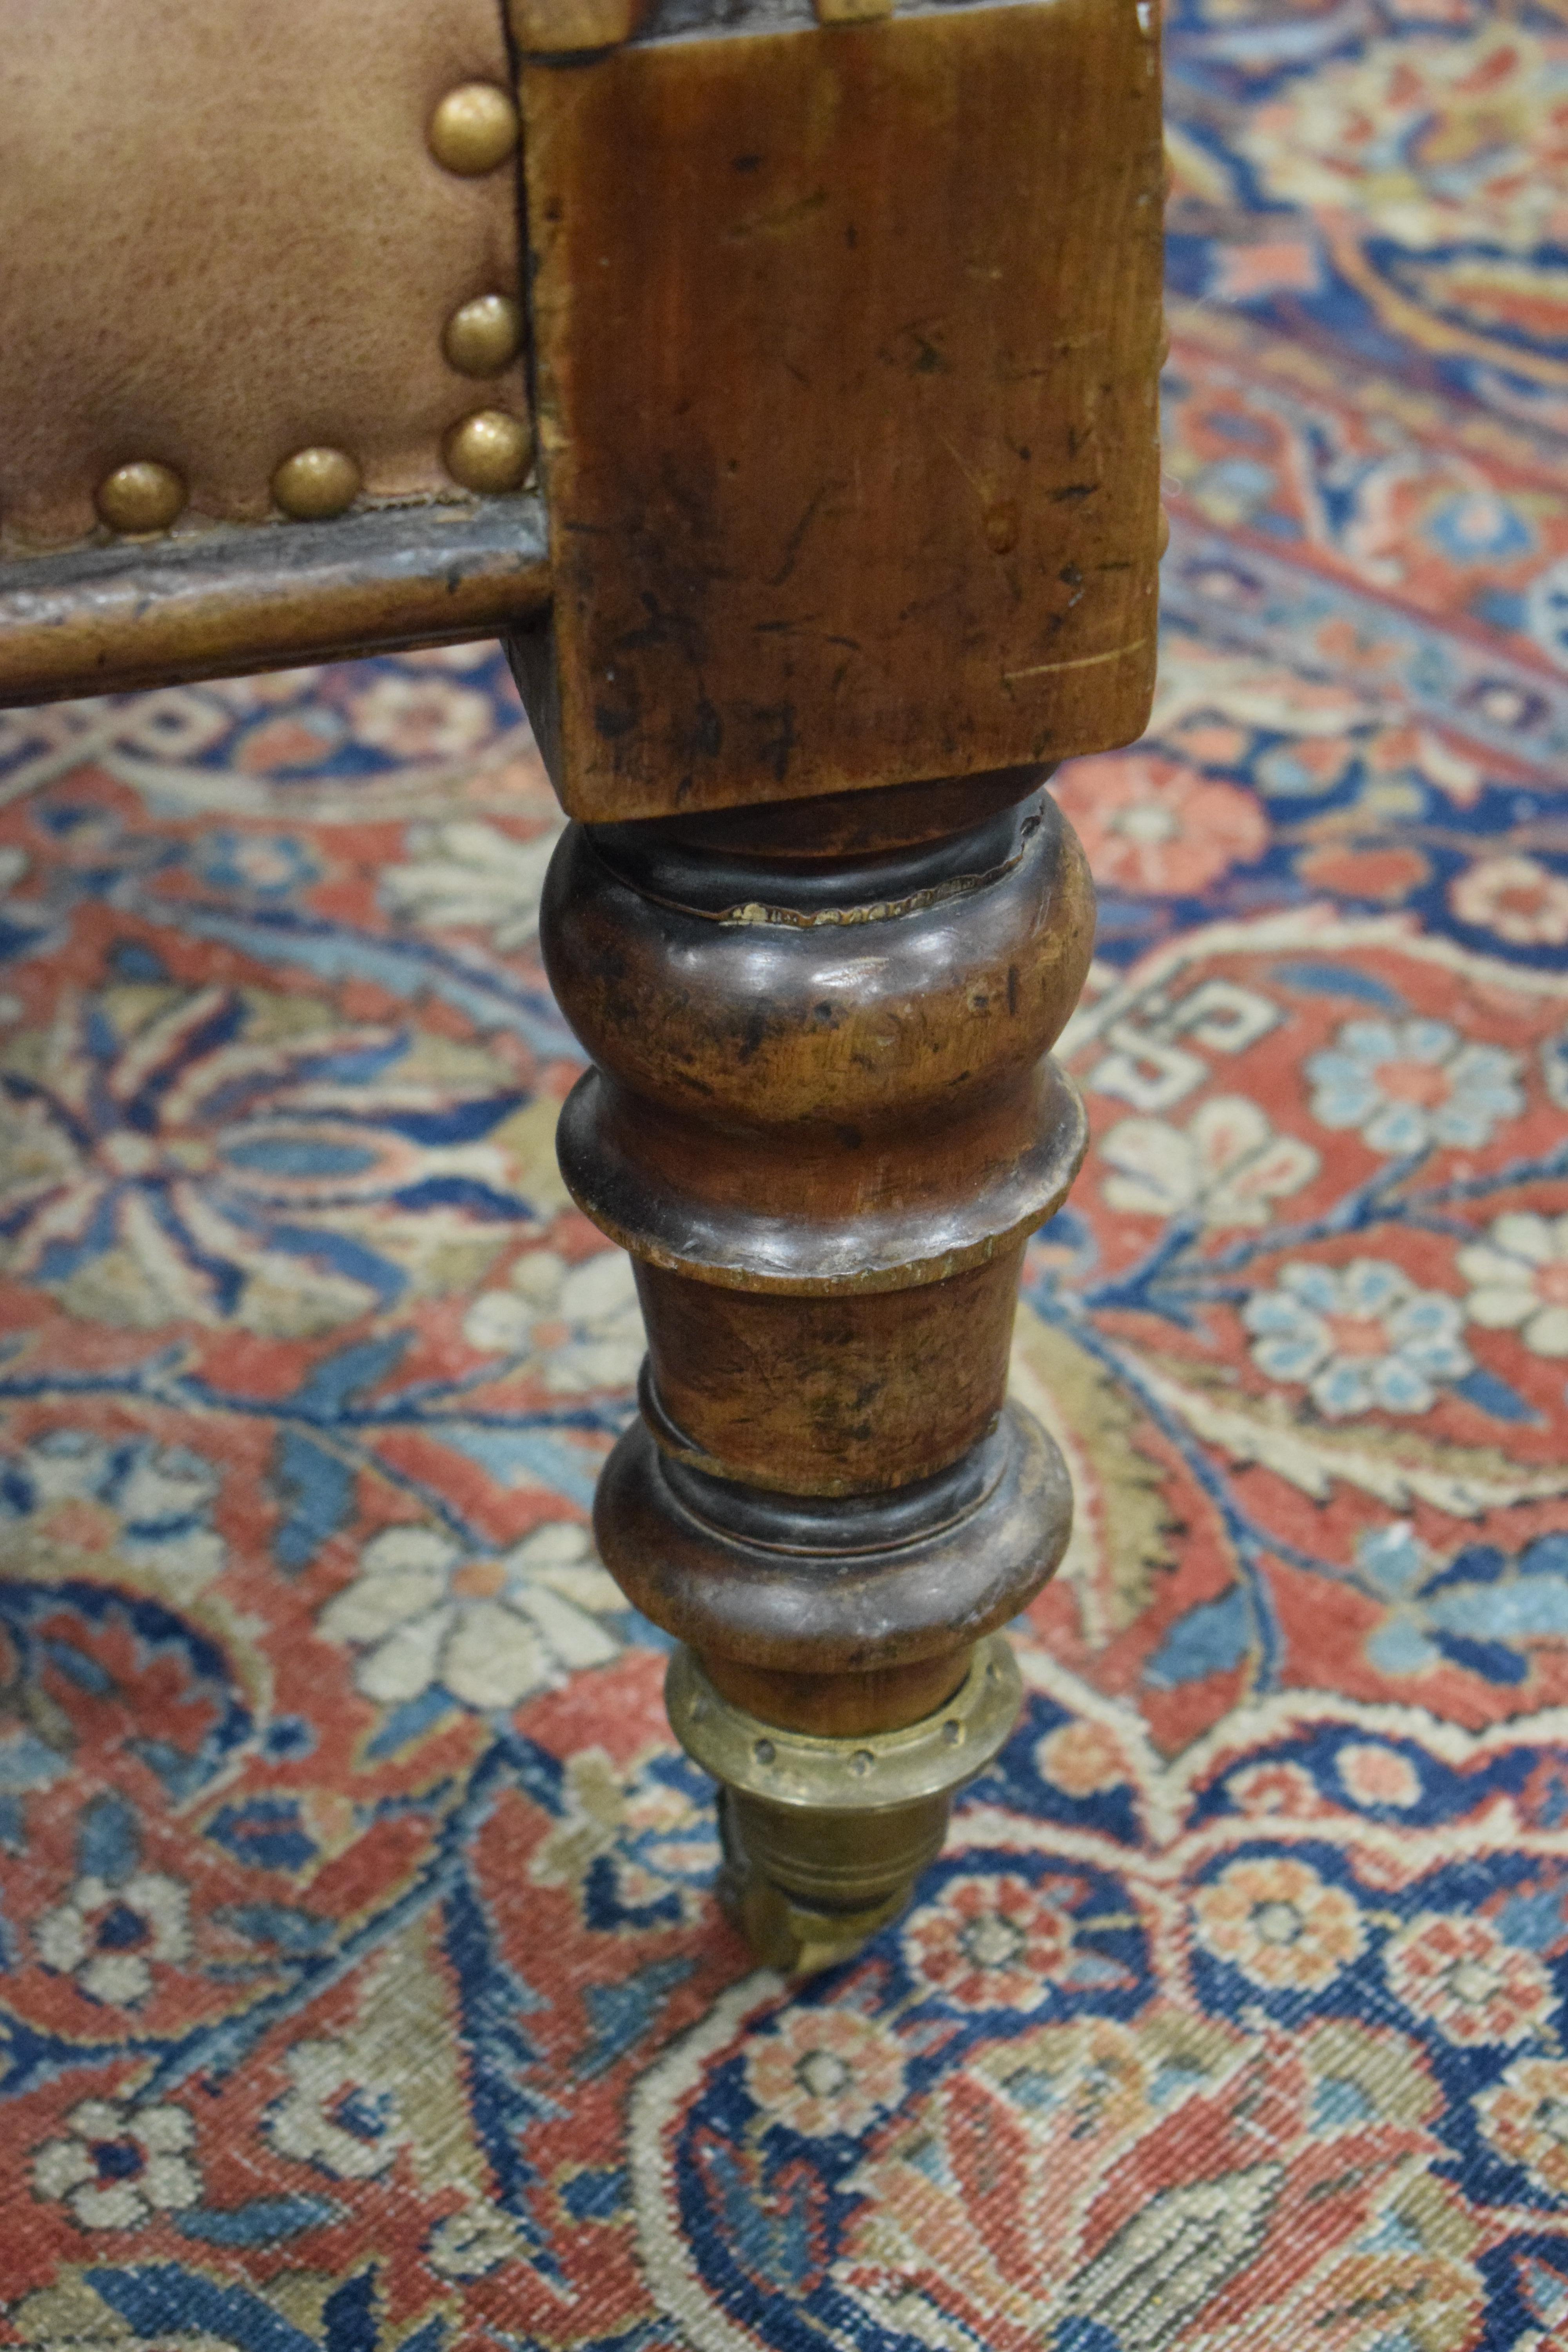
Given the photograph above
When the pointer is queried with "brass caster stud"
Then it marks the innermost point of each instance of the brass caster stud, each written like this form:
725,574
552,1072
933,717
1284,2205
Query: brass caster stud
825,1839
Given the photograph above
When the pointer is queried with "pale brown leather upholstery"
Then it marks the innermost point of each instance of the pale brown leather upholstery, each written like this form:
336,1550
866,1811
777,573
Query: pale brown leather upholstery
222,238
843,349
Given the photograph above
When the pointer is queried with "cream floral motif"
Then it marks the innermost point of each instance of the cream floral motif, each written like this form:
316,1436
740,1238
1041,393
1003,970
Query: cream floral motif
1413,1085
1516,898
1206,688
1518,1279
473,2243
653,1824
109,1937
466,875
582,1322
120,2165
424,1613
225,1155
1455,1969
332,2117
417,718
1226,1167
1280,1924
1525,2118
823,2071
1428,141
1360,1336
145,1506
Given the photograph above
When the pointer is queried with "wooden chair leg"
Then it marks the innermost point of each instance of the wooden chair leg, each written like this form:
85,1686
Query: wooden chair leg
824,1120
847,412
841,326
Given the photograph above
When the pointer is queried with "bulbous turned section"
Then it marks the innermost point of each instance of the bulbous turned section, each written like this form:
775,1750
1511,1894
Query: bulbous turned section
835,1085
824,1120
868,1584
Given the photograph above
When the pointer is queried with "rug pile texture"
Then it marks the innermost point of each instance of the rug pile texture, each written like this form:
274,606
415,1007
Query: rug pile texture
361,1986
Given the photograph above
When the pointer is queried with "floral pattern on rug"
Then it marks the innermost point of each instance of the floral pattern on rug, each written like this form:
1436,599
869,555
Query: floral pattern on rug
361,1985
1383,181
1167,2056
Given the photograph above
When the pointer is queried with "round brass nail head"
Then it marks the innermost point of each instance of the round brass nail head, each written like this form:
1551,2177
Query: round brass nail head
314,484
144,497
485,336
489,450
473,128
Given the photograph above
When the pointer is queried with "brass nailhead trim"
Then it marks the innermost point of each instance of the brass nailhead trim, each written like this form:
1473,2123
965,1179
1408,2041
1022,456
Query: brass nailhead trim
144,497
485,336
489,450
314,484
473,128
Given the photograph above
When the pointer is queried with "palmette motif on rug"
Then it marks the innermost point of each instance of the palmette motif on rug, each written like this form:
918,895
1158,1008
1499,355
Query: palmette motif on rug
1171,2055
361,1983
1258,2049
362,1980
1322,1245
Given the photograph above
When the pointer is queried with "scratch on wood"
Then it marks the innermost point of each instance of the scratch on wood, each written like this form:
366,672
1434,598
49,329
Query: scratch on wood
1084,661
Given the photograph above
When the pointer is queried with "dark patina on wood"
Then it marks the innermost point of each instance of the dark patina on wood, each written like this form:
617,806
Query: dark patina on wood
823,1121
824,1118
266,596
846,348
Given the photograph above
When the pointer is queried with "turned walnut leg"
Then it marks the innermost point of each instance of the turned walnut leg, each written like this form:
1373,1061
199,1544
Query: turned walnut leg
823,1119
844,338
840,324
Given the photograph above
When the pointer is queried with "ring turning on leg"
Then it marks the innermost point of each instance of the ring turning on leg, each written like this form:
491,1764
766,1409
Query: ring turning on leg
824,1120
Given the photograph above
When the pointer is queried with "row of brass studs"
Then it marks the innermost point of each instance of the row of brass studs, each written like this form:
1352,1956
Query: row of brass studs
473,131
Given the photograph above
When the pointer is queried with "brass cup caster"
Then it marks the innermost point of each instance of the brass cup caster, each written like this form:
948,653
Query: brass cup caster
824,1838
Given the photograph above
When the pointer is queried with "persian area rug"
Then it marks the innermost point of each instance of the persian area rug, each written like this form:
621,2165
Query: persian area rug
361,1986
